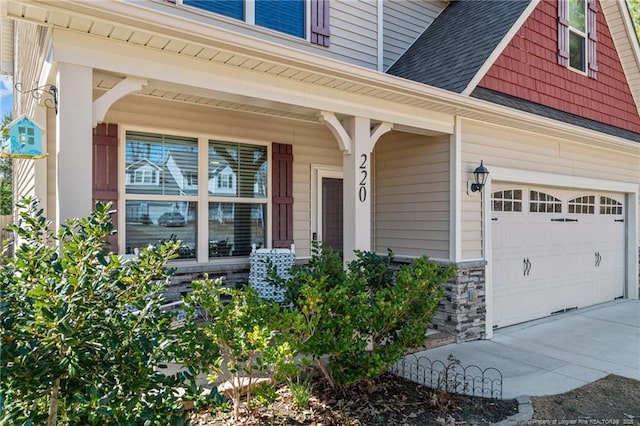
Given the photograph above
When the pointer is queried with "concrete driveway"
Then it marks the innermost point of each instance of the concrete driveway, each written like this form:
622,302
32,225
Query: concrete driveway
560,353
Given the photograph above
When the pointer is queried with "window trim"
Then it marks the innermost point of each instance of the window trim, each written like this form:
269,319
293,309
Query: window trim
583,34
202,198
589,35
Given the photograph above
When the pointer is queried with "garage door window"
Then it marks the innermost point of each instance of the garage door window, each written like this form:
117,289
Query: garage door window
610,206
583,205
539,202
509,200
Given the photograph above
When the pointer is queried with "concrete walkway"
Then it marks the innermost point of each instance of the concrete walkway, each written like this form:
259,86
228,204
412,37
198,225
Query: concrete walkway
560,353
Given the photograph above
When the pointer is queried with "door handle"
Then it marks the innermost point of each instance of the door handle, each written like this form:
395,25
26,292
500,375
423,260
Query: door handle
598,259
527,266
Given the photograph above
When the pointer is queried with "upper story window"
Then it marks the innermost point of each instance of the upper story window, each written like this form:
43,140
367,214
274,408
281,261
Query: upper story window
285,16
577,35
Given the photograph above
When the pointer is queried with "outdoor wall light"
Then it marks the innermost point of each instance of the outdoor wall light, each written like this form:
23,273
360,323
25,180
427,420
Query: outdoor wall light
480,176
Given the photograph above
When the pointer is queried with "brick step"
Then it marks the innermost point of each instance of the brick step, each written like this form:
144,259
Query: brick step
434,339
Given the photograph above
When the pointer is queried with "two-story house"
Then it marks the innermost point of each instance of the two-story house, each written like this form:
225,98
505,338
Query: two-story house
361,123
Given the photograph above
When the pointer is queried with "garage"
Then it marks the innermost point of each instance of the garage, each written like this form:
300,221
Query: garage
554,249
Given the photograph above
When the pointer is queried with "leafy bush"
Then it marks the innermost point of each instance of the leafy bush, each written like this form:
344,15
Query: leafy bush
365,318
301,391
82,330
244,328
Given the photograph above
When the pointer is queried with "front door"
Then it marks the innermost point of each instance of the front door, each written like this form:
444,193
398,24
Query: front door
328,210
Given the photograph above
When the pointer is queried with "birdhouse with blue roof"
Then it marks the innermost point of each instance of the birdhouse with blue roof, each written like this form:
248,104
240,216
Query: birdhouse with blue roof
24,138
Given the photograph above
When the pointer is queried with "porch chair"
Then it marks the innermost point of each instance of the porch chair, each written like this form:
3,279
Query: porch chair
260,261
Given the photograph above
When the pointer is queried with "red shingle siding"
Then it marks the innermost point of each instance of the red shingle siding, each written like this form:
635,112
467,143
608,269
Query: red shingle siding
528,68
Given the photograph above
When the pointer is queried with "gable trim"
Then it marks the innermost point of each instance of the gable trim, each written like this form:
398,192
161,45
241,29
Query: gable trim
500,47
634,43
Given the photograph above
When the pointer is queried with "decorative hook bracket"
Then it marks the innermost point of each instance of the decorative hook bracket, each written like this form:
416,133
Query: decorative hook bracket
40,91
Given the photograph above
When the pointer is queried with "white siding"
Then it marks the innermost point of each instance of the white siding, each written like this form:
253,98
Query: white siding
404,21
411,204
29,47
510,148
6,46
312,142
354,31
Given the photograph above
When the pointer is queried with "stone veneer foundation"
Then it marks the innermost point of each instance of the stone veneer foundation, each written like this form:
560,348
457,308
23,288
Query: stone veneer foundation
462,311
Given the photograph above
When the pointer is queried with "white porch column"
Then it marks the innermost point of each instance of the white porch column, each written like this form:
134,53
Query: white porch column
357,188
73,142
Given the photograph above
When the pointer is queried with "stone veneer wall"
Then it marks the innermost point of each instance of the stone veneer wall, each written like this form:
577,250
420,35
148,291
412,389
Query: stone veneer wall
234,274
462,311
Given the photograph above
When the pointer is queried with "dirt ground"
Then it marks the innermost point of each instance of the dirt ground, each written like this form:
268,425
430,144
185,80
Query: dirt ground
612,400
390,400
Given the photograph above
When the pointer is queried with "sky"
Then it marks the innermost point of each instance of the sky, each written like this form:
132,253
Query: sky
6,95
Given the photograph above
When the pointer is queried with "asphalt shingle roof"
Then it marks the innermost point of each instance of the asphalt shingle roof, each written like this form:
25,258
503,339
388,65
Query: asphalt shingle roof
458,42
544,111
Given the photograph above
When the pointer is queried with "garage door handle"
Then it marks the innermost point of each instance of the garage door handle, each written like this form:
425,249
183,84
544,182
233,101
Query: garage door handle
598,259
619,220
527,266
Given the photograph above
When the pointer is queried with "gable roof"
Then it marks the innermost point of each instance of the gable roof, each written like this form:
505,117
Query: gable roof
454,48
544,111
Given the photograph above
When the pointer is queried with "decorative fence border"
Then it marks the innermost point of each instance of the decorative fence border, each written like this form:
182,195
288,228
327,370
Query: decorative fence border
450,376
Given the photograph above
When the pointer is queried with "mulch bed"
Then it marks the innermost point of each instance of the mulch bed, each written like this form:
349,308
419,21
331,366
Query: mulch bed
389,400
612,400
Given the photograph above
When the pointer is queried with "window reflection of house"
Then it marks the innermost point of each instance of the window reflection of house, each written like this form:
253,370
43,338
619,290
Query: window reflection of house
143,172
222,180
183,168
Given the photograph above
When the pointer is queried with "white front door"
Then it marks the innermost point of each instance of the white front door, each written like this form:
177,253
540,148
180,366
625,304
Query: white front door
554,249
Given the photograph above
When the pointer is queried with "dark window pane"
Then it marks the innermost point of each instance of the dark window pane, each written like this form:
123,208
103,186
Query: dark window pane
153,222
286,16
235,227
577,15
517,194
517,206
237,170
577,51
161,164
230,8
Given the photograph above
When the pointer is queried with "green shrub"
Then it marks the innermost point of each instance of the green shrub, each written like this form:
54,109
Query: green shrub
301,391
364,318
82,331
245,329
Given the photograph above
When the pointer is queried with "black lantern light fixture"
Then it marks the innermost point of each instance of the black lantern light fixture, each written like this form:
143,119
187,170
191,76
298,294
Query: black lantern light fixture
480,176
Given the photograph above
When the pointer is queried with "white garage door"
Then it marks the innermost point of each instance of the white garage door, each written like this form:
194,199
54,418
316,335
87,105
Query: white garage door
554,249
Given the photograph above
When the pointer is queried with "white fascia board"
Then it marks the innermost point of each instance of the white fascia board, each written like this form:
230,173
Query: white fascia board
150,64
500,47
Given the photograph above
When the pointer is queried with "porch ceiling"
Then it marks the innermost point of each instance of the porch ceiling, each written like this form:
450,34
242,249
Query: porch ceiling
103,81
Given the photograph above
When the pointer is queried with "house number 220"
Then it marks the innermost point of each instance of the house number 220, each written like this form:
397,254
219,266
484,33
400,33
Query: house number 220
362,191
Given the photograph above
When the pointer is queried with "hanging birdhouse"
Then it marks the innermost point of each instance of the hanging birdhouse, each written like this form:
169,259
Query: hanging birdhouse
25,139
